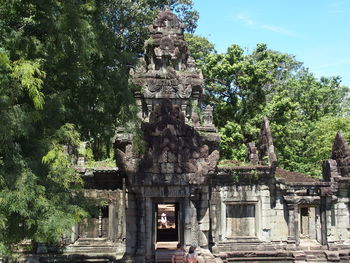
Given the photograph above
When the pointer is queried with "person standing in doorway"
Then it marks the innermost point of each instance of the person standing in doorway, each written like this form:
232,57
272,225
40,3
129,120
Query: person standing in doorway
179,254
163,220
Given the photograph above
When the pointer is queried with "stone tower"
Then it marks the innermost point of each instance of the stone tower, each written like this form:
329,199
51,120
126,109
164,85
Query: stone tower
181,145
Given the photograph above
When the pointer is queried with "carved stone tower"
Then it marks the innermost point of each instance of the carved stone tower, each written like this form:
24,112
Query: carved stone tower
167,71
181,146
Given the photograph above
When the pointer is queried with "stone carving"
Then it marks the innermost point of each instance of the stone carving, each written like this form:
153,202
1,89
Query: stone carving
265,146
341,154
252,153
208,116
340,148
173,147
167,71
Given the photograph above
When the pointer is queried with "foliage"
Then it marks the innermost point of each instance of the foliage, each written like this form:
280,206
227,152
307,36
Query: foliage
63,79
321,138
304,112
199,48
231,141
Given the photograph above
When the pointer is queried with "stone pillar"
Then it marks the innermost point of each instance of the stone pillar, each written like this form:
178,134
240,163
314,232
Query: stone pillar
223,221
120,206
149,245
122,215
132,226
204,221
292,228
312,222
141,231
187,224
323,209
318,224
194,225
138,97
112,227
100,222
181,217
213,218
75,233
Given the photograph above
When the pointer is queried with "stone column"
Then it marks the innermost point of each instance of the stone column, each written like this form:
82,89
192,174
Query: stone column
223,221
323,209
137,96
181,218
131,230
187,224
292,228
75,233
111,222
120,207
213,218
100,222
141,231
204,220
122,216
149,245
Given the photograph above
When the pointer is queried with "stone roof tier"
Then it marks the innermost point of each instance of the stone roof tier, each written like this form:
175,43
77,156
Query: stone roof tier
167,70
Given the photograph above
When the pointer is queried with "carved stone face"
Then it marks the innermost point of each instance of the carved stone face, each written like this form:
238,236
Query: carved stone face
167,70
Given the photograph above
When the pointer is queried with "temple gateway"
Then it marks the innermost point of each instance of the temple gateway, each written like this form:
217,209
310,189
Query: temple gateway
173,190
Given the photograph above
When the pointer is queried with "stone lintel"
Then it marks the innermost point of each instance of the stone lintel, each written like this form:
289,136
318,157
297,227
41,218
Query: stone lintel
209,129
312,200
309,184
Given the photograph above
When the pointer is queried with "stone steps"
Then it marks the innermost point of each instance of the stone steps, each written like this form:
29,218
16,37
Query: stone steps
258,256
93,246
315,256
241,246
163,255
77,259
260,260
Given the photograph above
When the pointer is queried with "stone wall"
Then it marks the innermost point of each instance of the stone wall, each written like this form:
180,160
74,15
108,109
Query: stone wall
269,223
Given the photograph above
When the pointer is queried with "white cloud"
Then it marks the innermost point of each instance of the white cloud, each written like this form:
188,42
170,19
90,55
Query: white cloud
337,7
341,62
277,29
243,17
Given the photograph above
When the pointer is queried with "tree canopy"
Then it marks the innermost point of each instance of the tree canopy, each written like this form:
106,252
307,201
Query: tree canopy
63,79
243,87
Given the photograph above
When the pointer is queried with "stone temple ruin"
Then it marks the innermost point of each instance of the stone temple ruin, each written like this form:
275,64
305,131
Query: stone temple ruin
254,213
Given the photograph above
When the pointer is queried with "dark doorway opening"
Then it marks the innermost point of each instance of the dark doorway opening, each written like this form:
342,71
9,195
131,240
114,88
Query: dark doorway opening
167,222
304,221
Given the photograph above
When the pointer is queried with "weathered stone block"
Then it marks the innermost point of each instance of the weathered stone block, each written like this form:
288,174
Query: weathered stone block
167,168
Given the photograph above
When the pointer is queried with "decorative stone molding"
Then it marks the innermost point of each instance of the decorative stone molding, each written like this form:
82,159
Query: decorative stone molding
167,70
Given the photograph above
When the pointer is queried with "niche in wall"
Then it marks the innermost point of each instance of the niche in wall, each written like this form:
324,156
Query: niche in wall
240,220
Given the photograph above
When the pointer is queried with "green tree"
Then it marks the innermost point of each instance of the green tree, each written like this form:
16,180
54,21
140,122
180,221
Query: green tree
320,141
240,85
305,102
245,87
199,48
63,78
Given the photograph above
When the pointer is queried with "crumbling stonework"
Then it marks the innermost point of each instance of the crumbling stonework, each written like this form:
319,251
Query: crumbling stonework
173,148
266,148
341,154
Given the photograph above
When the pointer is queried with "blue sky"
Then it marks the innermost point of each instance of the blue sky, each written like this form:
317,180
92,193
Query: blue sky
317,32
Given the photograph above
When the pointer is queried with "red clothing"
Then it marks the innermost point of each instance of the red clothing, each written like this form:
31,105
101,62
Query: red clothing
179,256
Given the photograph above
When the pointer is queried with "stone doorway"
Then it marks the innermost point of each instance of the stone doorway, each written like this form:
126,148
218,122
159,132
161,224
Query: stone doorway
308,221
305,222
97,225
167,222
